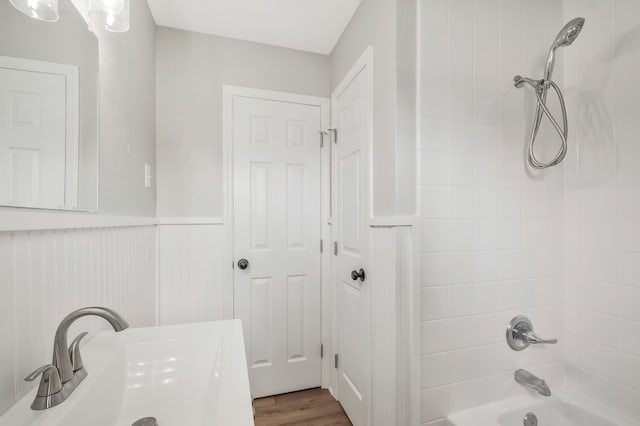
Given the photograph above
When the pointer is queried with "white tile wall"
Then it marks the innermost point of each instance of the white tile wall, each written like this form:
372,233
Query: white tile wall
44,275
602,220
491,238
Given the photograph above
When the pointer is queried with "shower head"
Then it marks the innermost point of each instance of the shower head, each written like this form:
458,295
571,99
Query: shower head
567,35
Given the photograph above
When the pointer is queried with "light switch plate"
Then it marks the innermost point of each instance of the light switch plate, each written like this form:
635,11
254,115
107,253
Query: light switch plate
147,176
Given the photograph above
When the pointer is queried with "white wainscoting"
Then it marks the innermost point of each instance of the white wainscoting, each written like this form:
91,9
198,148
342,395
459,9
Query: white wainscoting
44,275
395,323
192,272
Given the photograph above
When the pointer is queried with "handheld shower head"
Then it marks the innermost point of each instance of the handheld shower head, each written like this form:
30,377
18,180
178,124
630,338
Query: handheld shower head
567,35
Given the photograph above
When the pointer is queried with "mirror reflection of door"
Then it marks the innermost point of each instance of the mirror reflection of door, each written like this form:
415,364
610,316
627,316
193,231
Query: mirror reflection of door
34,108
48,111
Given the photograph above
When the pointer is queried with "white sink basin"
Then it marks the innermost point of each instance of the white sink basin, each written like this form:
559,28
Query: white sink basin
185,375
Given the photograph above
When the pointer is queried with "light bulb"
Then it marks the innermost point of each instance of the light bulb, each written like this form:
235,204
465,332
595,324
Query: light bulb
44,10
112,15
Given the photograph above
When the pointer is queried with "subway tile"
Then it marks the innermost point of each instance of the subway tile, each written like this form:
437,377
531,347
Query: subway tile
433,133
598,359
461,137
434,404
460,202
461,268
434,235
628,302
629,370
435,303
485,171
486,201
460,235
486,234
474,393
435,336
433,168
463,300
461,167
433,202
460,105
628,336
436,370
434,269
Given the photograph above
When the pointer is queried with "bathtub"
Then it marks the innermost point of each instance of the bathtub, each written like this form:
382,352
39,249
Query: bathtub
558,410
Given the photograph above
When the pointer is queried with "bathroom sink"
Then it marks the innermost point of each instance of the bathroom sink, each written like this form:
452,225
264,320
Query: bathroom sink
184,375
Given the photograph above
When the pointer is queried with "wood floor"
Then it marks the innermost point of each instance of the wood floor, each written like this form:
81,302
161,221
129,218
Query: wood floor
314,407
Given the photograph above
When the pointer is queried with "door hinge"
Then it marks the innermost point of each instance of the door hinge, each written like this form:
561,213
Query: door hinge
321,350
334,134
335,361
321,246
335,248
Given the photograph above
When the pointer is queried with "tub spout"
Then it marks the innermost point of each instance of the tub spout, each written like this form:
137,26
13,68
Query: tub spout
532,381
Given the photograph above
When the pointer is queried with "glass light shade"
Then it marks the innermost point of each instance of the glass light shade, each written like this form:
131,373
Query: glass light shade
44,10
112,15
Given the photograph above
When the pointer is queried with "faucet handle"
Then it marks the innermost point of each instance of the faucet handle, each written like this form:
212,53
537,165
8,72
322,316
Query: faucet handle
534,339
74,352
50,383
520,334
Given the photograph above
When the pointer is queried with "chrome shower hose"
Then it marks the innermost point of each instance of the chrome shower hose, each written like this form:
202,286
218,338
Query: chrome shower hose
541,88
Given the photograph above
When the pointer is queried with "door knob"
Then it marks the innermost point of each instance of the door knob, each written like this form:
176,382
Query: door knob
243,264
355,275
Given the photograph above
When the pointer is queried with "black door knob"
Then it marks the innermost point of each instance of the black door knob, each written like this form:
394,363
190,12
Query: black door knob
355,275
243,264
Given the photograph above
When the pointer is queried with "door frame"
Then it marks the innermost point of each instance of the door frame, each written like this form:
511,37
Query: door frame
229,92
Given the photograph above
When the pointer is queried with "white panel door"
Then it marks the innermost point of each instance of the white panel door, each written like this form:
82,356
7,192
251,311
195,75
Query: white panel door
352,119
276,151
32,138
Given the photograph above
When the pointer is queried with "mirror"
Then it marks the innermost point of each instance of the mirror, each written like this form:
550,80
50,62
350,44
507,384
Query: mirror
48,111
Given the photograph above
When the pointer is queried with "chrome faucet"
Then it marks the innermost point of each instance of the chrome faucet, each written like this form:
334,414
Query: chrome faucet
520,334
64,374
532,381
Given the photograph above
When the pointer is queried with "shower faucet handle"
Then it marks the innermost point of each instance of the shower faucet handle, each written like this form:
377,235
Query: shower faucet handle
520,334
534,339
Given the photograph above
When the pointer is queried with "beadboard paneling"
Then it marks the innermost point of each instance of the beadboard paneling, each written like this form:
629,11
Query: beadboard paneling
191,273
6,324
44,275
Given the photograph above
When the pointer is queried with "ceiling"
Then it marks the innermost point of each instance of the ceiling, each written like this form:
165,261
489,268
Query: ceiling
310,25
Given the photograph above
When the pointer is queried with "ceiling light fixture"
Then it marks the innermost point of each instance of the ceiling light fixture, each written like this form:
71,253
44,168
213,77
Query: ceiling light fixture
112,15
44,10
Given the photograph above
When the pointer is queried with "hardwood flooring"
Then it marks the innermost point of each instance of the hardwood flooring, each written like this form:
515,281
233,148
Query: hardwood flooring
313,407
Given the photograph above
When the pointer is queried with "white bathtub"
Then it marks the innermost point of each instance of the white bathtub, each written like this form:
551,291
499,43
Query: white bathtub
558,410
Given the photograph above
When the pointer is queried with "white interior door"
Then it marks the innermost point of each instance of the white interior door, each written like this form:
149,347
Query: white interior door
277,159
32,138
352,119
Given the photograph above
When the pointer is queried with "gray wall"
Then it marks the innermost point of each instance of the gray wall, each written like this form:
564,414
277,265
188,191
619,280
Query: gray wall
191,70
127,116
374,23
